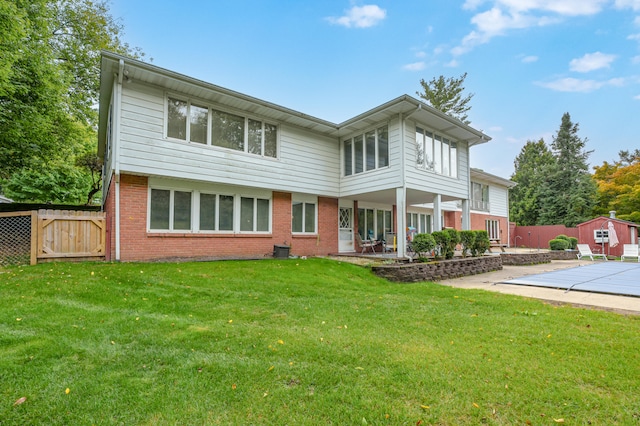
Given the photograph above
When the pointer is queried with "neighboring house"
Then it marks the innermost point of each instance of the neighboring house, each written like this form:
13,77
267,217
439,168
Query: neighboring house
595,232
194,170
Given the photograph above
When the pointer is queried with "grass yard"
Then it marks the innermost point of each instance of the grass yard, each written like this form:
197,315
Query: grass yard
300,342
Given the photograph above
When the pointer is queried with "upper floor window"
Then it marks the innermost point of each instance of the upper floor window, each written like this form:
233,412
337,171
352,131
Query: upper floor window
436,153
479,196
367,151
190,122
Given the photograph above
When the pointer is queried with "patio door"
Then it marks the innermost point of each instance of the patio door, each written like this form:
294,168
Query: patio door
345,231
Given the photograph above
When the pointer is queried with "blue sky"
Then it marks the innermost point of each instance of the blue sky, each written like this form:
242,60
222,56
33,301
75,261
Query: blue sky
527,61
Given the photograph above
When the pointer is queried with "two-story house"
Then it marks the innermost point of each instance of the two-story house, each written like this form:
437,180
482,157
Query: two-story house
194,170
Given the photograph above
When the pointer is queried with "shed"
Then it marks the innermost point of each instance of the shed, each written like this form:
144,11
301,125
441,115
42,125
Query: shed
595,232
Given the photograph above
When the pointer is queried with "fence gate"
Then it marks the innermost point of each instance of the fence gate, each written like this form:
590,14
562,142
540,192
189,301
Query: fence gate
26,237
18,238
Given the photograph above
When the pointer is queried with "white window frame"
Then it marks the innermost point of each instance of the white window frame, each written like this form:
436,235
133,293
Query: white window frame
438,144
210,108
299,198
492,227
195,211
377,130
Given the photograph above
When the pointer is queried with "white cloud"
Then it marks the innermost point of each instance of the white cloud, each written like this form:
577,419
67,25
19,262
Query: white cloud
637,21
452,64
637,97
416,66
495,129
529,59
505,15
634,37
635,60
577,85
360,17
630,4
591,62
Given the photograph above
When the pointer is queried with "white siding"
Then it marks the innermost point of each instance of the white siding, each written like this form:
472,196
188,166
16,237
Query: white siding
307,163
498,201
378,179
432,182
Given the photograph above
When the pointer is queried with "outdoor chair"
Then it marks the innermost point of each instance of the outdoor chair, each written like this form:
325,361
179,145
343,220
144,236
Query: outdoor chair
585,251
630,251
366,244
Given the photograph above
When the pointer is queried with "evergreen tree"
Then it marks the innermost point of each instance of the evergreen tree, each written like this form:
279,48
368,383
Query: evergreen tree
531,167
445,94
568,194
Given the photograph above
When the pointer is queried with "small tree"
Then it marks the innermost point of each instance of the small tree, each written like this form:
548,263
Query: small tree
423,244
481,243
454,240
467,238
445,94
442,239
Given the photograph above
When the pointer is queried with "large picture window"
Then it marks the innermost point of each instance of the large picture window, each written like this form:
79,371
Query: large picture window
196,211
208,126
303,217
374,223
436,153
480,196
367,151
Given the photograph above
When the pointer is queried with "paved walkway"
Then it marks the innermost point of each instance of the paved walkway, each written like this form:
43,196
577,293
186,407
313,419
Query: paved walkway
491,281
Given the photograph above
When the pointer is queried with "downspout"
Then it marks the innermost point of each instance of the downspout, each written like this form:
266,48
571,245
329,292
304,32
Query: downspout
116,151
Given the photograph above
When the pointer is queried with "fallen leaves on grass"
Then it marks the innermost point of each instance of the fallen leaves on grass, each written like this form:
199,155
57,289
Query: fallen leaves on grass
20,401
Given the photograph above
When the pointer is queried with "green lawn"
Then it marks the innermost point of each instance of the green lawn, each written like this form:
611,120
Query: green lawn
300,342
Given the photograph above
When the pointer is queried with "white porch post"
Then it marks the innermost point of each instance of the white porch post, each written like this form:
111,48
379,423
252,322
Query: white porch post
466,215
437,213
401,217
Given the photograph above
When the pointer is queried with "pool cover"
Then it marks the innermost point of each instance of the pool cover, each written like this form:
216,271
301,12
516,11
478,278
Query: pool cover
601,277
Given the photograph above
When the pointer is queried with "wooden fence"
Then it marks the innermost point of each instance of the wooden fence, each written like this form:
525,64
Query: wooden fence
45,235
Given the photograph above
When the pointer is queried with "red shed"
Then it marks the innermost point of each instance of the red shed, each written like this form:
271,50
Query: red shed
595,232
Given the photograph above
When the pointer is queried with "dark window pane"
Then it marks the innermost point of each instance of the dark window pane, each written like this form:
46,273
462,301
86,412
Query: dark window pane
207,212
181,210
263,215
270,141
246,214
309,217
225,215
177,119
159,209
227,130
383,146
359,151
255,137
198,128
296,216
348,158
370,148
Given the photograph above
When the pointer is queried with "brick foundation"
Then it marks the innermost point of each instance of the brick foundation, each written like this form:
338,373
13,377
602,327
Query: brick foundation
136,244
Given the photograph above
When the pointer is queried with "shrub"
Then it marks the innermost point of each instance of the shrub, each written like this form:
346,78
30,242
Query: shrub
467,239
454,240
558,244
423,244
442,239
573,243
481,243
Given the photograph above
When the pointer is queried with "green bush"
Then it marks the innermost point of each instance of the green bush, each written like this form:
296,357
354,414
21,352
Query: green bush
558,244
573,243
442,239
454,240
481,243
423,244
467,239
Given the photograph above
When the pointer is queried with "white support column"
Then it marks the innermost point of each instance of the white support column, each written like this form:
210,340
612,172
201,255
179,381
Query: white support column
437,213
401,218
466,215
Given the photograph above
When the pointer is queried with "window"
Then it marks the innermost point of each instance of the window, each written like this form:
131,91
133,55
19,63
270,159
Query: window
374,223
436,153
176,210
420,221
170,210
479,196
190,122
493,229
365,152
303,217
601,236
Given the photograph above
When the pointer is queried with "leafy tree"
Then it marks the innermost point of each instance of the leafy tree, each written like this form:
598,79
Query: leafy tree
568,194
49,84
531,167
619,186
445,94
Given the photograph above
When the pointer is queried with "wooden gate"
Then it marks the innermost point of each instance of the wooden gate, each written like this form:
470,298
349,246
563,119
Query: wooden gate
71,234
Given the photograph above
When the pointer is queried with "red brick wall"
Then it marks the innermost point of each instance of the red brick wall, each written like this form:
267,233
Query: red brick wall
478,223
138,245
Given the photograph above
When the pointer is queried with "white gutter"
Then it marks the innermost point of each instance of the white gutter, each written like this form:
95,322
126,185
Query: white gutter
117,100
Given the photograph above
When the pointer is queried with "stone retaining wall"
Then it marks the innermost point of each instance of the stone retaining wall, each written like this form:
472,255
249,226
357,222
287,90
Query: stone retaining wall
525,258
563,254
438,270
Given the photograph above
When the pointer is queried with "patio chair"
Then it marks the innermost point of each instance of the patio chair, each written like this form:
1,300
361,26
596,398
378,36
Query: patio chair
630,251
366,244
585,251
